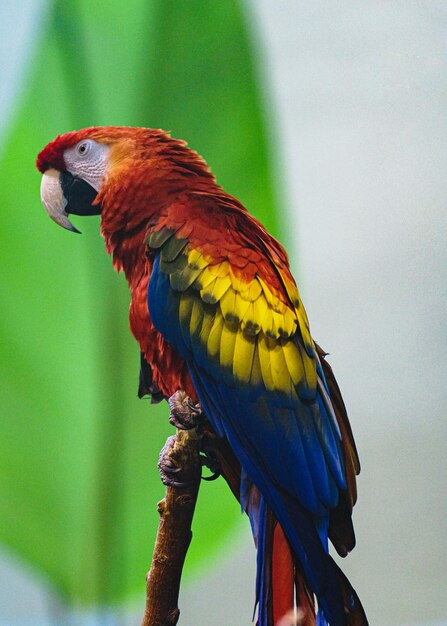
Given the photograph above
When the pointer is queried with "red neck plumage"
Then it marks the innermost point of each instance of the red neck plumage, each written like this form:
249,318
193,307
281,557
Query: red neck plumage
139,198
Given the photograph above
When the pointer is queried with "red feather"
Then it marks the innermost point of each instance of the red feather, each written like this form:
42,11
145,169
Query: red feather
283,576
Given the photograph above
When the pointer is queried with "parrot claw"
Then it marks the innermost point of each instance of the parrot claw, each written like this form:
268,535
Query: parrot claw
209,460
214,476
184,415
167,468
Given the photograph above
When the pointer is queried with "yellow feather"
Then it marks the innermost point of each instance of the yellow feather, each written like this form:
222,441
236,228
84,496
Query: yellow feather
207,324
227,341
256,373
197,259
196,316
206,292
238,283
205,279
271,293
273,298
241,307
305,334
220,286
228,304
310,369
301,367
302,312
260,308
291,288
294,361
264,360
233,307
267,291
280,373
252,291
278,321
214,338
249,325
220,269
224,269
284,324
289,322
214,269
280,306
185,308
268,325
244,348
292,392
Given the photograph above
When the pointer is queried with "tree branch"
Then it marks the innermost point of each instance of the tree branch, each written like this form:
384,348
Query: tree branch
176,510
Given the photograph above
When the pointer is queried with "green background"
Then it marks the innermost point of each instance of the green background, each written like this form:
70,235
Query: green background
78,450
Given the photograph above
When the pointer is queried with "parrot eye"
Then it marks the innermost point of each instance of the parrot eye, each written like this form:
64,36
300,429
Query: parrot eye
87,159
83,148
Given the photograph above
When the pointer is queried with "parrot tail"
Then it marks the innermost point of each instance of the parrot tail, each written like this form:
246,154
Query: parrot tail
283,594
281,583
281,587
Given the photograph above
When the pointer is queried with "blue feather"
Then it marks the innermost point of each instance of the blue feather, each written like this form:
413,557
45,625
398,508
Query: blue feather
292,455
263,568
298,525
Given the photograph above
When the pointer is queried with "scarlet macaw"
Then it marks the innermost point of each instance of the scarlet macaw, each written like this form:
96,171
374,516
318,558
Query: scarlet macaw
217,314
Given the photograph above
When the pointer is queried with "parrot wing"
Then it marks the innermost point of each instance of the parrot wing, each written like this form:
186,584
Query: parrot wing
258,376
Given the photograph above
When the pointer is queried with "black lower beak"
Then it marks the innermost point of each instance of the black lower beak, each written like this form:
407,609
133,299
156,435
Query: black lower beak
79,195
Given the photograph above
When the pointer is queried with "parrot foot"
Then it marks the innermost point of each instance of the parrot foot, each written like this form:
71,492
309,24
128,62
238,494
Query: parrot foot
209,460
211,464
167,467
184,413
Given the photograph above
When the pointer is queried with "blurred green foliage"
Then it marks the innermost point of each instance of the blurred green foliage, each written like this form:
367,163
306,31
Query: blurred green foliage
78,450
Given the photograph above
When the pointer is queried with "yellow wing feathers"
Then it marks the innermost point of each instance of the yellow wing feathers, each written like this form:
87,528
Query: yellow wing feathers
257,334
249,330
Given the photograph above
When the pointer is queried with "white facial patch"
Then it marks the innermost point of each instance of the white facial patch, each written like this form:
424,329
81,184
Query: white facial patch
88,160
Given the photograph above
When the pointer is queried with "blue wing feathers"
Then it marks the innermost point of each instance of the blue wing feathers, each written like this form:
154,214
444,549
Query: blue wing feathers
329,441
297,523
164,310
291,451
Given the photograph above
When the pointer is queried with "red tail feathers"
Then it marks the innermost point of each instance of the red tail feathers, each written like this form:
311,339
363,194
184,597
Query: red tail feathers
283,576
290,592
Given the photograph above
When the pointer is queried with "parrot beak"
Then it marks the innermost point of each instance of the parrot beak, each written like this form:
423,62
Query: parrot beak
53,199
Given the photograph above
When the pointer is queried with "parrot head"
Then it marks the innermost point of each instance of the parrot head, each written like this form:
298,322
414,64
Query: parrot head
73,167
88,170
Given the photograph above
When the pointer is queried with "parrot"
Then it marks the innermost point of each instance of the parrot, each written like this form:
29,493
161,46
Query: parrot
218,316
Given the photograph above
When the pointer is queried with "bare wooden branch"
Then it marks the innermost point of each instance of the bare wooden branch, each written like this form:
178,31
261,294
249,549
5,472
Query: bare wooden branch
174,531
